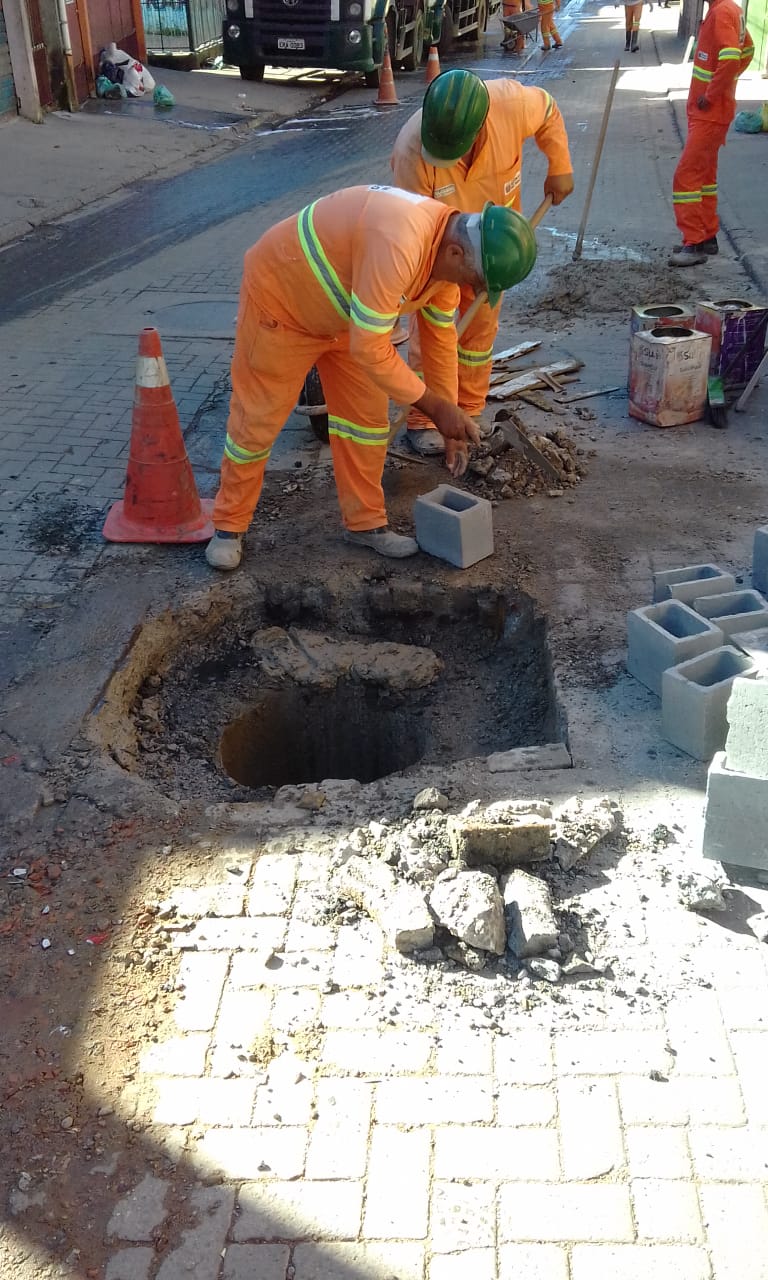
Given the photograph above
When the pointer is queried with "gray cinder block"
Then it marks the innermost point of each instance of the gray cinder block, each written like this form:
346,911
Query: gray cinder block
694,698
746,747
760,559
454,525
735,829
734,611
662,635
691,582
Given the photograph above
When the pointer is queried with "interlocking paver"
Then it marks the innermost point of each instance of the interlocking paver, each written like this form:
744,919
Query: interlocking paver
525,1058
131,1264
480,1264
253,1153
639,1262
203,978
736,1223
373,1261
255,1262
201,1244
339,1141
463,1151
526,1105
397,1199
465,1053
730,1155
590,1127
540,1212
462,1216
177,1056
436,1100
532,1262
657,1152
365,1051
216,1102
666,1210
608,1052
299,1211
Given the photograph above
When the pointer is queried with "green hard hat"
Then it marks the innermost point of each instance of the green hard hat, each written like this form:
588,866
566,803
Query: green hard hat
507,248
453,113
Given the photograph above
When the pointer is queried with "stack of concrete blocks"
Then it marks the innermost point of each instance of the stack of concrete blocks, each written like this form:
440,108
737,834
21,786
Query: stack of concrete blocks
736,816
678,649
454,525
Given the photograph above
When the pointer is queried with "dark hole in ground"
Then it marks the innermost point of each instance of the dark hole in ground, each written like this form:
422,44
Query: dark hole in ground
61,526
298,735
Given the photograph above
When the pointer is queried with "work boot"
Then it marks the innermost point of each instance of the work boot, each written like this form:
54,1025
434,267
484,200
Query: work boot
393,545
710,246
225,550
628,42
689,255
428,442
635,46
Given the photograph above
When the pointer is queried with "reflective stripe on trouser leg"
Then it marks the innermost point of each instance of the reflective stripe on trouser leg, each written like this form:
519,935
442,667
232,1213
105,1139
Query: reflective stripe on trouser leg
359,433
268,368
696,171
476,354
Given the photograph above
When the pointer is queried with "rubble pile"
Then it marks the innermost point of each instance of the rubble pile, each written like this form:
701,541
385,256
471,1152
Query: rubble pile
499,471
472,887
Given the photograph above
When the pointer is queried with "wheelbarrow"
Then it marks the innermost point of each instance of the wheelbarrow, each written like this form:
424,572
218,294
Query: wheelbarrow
520,24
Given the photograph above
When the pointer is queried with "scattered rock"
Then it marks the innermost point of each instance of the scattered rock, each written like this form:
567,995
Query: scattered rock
547,970
581,966
581,826
759,925
397,906
531,926
431,798
502,836
699,892
470,957
468,904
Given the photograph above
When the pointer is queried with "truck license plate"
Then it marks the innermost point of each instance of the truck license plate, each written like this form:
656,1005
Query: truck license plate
290,42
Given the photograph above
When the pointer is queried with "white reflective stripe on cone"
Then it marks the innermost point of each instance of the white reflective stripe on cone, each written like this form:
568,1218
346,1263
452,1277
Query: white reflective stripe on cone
151,371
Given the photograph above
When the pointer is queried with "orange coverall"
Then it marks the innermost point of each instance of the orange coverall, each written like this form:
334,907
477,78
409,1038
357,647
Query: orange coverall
510,9
491,171
723,50
325,287
547,22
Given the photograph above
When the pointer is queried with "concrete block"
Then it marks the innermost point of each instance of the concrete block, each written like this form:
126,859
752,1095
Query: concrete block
693,581
502,841
694,698
760,560
454,525
746,747
734,611
532,928
735,830
662,635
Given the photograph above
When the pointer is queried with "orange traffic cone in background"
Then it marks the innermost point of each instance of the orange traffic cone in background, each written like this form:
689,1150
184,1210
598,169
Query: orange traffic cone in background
161,502
433,64
387,95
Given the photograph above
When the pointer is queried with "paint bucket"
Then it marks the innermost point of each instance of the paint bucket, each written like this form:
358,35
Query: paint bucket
738,331
668,373
657,314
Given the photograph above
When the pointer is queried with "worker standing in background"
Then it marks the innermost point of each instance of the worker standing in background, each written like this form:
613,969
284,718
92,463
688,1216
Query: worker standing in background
325,287
547,10
464,148
633,11
723,50
510,9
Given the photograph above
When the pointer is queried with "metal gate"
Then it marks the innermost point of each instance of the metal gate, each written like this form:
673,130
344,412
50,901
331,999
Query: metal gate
7,87
182,26
39,54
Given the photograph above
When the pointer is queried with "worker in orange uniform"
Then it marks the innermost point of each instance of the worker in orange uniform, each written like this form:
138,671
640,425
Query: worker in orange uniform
632,14
325,287
547,10
465,147
510,9
723,50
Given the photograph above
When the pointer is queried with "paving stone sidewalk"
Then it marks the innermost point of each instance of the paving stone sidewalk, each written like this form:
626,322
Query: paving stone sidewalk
342,1134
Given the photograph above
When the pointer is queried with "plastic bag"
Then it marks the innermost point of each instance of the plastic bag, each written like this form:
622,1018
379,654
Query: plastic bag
749,122
126,70
106,88
163,97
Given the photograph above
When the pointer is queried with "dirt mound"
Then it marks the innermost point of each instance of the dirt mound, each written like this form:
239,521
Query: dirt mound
579,289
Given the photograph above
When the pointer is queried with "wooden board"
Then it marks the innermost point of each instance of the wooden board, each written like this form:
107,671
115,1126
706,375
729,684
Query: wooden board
532,381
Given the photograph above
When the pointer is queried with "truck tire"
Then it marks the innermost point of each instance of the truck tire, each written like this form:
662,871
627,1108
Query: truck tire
448,31
312,394
254,71
482,21
412,60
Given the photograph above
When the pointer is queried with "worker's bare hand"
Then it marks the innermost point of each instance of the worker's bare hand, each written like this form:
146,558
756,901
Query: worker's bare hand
558,187
452,423
456,457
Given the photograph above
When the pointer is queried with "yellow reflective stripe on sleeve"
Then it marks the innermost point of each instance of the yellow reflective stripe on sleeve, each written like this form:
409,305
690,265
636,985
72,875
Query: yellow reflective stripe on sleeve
474,357
345,430
729,54
441,319
236,453
319,264
686,197
710,190
366,318
550,105
700,74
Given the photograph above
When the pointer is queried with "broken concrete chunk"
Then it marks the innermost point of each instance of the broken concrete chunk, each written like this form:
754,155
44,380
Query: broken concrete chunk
468,904
700,892
503,810
581,826
759,925
581,966
503,838
470,957
531,926
553,755
431,798
397,907
547,970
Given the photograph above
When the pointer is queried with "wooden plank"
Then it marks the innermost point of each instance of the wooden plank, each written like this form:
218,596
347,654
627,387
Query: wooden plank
584,395
531,381
512,353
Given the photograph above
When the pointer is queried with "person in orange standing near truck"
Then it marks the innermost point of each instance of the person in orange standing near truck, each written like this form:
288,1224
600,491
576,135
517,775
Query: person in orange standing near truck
632,15
325,287
723,50
464,147
510,9
547,10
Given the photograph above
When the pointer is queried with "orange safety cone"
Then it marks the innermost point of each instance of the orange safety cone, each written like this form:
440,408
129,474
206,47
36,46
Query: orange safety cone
433,64
387,95
161,502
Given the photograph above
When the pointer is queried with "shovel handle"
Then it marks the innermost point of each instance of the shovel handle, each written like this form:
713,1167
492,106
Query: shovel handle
543,209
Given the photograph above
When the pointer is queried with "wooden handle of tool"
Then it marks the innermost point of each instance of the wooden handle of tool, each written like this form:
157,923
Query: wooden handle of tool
543,208
595,163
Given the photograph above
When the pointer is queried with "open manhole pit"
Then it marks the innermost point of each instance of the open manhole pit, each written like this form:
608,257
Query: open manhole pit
305,685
